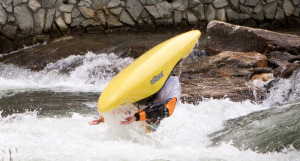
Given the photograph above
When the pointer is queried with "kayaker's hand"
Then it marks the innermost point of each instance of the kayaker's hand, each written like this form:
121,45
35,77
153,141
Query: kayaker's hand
128,120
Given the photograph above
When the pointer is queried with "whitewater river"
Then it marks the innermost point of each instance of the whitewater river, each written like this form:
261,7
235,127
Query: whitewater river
44,116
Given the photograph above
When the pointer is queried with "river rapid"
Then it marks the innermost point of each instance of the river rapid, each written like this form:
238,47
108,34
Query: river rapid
45,114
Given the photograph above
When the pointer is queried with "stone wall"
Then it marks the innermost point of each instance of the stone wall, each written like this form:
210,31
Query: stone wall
31,21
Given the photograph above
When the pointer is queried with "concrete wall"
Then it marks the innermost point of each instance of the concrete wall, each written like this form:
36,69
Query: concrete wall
44,17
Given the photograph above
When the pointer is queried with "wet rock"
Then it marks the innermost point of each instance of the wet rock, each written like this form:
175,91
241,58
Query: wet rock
286,72
275,63
34,5
258,71
3,15
219,76
125,18
222,36
227,64
87,12
24,18
288,7
134,8
49,20
220,3
258,81
39,19
282,55
9,31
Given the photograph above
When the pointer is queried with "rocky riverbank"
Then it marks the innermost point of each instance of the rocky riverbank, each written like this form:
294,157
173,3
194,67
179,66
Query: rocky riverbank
242,63
230,61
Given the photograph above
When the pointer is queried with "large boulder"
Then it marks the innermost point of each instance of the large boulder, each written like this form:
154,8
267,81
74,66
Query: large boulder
224,74
223,36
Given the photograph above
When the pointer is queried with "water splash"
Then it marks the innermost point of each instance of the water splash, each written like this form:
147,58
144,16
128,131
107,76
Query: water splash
284,90
90,73
180,137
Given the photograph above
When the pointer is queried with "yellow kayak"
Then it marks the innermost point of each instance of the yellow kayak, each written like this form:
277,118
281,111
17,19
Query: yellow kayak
148,73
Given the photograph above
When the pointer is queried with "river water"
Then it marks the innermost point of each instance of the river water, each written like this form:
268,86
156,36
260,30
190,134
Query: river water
45,114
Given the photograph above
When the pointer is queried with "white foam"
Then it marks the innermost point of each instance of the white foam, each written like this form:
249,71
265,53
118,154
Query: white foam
91,73
183,136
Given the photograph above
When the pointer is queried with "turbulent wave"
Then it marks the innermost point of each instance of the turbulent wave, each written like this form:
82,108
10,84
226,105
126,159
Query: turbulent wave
64,95
90,72
180,137
284,90
274,129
